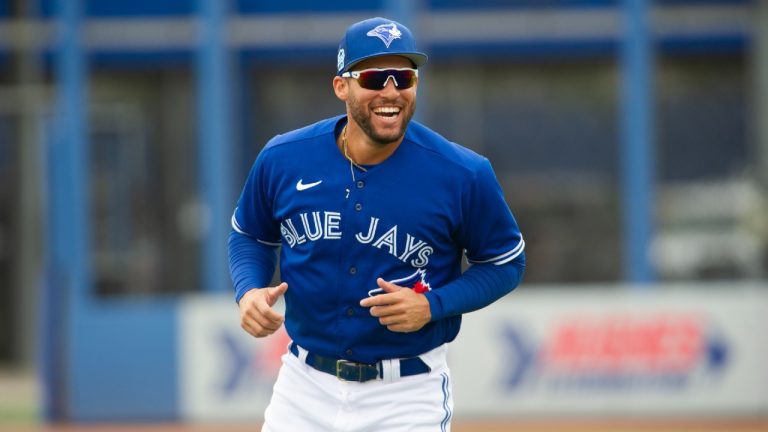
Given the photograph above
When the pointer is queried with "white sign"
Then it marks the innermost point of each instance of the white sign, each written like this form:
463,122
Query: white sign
548,351
225,374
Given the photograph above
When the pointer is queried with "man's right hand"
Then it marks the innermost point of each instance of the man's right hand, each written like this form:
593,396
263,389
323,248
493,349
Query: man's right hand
256,314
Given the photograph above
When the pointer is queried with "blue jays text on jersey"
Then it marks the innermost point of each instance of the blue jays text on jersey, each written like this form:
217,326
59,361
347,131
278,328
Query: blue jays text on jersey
410,218
326,227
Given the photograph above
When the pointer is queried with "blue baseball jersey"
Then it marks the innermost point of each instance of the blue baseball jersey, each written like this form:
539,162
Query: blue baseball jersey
409,220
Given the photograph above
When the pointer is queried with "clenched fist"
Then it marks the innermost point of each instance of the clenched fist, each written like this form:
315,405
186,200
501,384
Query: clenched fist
256,314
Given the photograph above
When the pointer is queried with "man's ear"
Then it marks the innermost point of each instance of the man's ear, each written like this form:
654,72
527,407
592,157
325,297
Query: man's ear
340,87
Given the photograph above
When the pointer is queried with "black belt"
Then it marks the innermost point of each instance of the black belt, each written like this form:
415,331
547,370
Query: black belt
346,370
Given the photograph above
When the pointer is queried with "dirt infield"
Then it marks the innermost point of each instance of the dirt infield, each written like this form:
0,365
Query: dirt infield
459,426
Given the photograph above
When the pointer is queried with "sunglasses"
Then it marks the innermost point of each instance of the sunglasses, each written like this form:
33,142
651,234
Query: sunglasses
376,79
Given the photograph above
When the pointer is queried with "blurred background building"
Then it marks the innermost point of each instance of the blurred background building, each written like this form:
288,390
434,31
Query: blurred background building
155,110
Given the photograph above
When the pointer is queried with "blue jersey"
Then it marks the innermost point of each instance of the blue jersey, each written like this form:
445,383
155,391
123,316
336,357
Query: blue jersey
409,220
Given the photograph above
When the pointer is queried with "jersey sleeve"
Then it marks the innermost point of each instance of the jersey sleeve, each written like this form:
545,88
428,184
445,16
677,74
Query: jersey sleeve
254,216
489,232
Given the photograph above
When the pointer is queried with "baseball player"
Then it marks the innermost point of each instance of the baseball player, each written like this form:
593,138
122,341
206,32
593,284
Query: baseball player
372,214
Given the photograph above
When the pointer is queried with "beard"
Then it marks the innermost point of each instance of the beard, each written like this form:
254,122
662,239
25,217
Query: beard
362,116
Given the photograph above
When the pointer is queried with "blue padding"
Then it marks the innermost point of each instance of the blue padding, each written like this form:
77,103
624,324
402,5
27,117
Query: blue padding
124,361
557,4
115,8
293,56
304,6
533,50
703,45
133,8
704,2
516,4
499,51
177,58
603,48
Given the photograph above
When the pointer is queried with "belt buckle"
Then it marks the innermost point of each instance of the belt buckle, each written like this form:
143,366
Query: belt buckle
341,362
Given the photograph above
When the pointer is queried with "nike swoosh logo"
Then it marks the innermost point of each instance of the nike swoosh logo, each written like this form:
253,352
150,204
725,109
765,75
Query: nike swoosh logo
302,186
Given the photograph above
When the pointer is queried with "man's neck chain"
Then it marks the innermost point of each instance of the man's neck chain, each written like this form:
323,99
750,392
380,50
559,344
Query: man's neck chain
352,164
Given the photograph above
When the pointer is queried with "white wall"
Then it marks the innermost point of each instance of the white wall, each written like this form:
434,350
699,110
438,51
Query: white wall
542,351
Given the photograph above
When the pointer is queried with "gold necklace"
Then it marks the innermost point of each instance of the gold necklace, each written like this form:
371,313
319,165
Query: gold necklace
352,163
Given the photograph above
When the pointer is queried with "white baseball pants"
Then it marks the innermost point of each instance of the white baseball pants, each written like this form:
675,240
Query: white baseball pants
307,400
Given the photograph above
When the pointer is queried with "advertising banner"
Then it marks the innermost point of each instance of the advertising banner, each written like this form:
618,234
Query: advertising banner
612,352
541,351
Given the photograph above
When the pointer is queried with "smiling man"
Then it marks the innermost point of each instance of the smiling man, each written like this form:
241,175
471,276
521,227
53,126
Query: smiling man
372,213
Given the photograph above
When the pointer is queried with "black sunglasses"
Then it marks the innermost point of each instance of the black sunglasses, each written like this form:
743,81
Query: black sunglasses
376,79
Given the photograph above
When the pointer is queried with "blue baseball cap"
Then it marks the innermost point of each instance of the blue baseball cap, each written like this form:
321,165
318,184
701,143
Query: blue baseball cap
373,38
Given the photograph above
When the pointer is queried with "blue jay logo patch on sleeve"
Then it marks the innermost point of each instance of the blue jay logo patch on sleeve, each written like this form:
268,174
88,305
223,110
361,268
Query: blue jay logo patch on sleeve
386,32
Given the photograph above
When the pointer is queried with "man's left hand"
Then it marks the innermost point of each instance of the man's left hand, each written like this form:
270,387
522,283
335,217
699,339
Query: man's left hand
400,309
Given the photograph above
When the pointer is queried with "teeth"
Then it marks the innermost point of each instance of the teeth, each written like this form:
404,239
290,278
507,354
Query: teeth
386,110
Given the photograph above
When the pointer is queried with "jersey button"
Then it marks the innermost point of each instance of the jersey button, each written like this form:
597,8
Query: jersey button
358,206
360,184
353,270
348,352
350,311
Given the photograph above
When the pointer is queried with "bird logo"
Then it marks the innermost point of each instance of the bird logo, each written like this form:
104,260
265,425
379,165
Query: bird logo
386,32
416,281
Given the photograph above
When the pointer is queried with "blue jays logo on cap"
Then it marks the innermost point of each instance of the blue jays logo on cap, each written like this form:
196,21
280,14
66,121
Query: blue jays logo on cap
386,32
376,37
